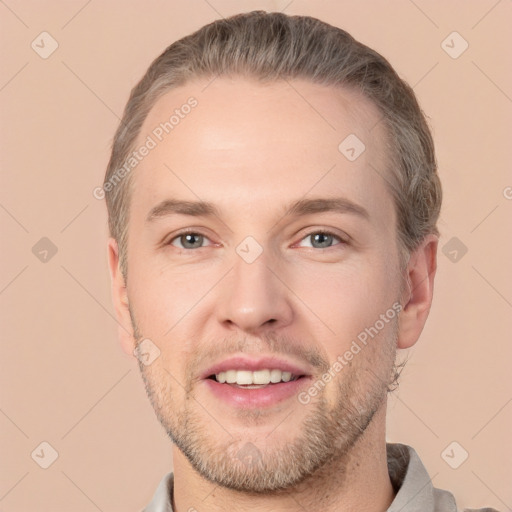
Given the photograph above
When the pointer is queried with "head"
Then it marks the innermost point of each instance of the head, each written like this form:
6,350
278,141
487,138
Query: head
302,168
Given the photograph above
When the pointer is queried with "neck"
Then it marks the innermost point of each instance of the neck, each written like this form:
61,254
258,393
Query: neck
357,481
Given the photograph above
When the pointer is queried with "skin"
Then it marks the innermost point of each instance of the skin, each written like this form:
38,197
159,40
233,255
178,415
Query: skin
252,149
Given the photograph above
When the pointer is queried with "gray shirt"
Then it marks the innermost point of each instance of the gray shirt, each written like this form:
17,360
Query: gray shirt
413,487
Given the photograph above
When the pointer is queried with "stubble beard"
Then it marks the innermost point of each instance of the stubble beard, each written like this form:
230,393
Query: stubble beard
246,465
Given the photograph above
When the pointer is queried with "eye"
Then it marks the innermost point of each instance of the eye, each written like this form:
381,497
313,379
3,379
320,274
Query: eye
188,240
193,240
322,239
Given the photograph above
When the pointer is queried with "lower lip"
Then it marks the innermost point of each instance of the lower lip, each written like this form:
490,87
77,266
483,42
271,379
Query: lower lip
258,397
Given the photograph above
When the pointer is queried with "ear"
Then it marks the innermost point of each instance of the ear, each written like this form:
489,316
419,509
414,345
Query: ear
120,299
418,293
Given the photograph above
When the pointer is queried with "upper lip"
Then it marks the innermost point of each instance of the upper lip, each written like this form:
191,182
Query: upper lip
253,365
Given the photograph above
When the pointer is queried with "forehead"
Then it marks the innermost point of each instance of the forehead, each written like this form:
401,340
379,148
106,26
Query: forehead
242,144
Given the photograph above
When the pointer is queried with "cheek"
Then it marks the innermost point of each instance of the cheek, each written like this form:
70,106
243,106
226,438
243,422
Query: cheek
341,305
168,305
161,296
346,295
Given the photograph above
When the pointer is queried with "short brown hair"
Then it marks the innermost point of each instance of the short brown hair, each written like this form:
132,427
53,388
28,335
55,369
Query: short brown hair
275,46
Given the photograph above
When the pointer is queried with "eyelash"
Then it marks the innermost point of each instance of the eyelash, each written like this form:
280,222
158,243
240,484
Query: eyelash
315,232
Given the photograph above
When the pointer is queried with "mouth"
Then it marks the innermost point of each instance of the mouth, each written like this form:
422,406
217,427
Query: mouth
245,382
254,379
259,389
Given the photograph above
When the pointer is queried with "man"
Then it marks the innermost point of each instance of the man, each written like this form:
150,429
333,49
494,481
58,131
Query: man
273,199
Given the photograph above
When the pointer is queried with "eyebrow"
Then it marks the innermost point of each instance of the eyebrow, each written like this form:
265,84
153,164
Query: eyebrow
297,209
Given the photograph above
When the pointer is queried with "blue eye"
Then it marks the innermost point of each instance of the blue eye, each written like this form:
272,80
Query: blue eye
189,240
322,239
193,240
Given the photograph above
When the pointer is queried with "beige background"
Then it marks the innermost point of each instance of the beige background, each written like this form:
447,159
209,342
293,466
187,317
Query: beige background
64,378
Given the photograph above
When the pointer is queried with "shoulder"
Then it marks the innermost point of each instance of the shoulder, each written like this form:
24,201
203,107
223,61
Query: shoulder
162,499
413,485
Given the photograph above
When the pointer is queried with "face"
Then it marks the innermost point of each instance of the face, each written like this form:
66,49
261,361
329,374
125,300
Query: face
292,265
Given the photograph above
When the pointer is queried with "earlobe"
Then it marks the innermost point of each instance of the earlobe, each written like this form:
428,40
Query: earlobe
120,299
418,292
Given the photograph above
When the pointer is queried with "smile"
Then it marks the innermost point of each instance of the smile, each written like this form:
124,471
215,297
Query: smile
257,378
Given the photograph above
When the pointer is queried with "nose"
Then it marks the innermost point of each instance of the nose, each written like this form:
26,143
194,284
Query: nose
254,297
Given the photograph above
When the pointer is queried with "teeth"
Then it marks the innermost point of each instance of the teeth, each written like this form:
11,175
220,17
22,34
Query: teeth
245,377
275,376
